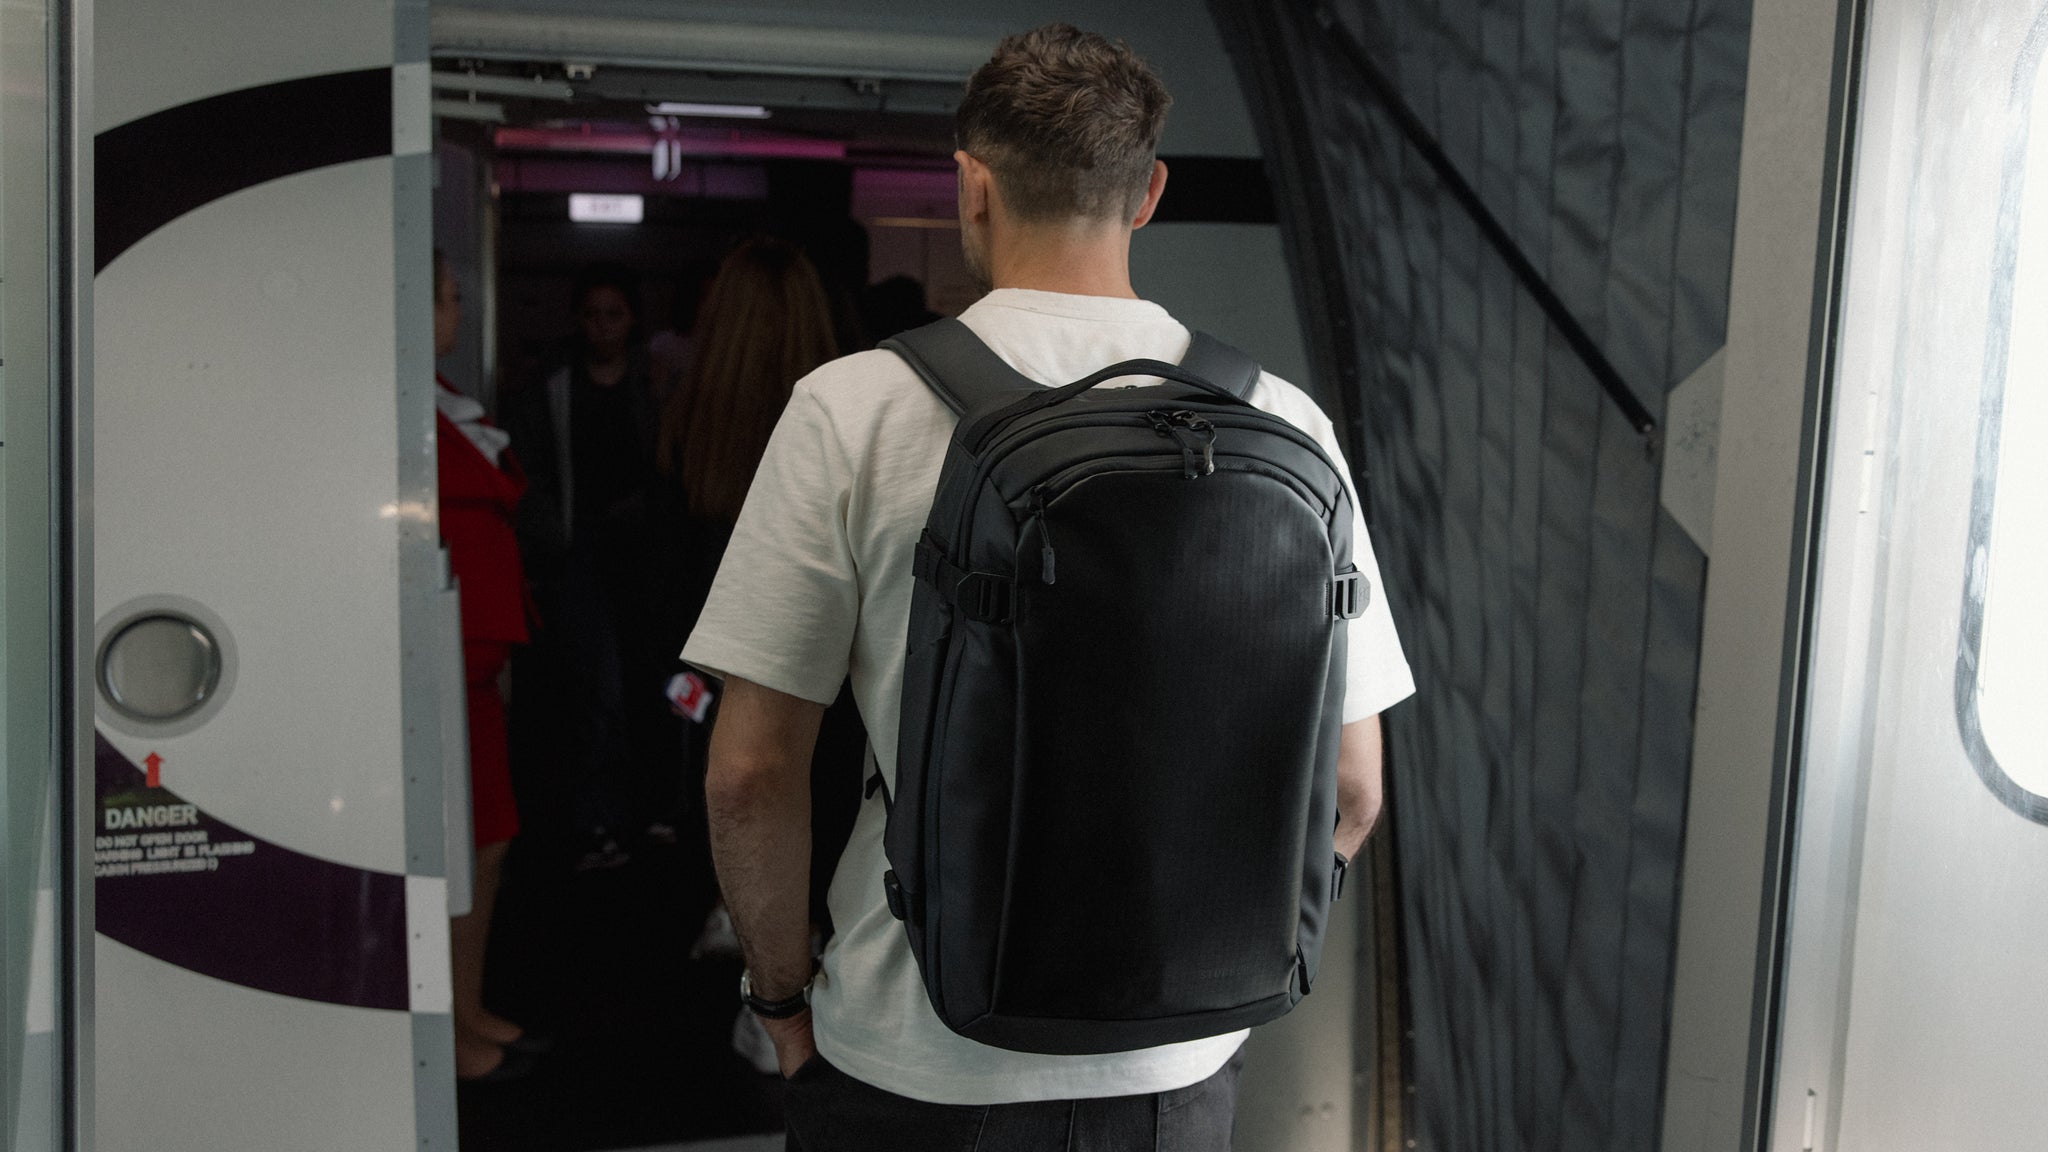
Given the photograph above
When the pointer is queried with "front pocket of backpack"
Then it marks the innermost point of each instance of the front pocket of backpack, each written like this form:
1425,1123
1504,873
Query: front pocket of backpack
1171,685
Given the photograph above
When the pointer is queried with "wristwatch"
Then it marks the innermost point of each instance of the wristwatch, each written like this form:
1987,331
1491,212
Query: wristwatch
773,1009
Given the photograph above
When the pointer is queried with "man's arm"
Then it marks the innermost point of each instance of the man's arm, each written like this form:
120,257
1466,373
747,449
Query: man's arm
1358,784
758,796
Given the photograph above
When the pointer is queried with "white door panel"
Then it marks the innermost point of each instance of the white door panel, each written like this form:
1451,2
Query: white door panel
271,897
171,1079
150,55
246,461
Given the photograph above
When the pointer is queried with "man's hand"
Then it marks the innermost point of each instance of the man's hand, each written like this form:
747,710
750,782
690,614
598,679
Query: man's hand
793,1041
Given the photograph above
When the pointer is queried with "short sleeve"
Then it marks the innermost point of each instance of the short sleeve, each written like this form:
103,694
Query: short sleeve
1377,676
784,605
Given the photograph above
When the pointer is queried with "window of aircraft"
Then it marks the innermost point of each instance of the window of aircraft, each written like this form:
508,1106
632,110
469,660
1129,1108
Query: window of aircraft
2008,553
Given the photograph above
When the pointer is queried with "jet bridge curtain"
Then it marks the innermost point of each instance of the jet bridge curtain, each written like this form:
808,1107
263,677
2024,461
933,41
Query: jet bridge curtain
1510,225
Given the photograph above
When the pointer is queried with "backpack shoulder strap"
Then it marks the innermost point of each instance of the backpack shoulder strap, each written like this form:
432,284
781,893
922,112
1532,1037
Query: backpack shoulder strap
1221,365
954,363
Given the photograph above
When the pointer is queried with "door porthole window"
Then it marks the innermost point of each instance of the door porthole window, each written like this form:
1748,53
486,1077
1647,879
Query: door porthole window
164,665
2002,658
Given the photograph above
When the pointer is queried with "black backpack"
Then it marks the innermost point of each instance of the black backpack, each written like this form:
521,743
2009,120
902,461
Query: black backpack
1116,785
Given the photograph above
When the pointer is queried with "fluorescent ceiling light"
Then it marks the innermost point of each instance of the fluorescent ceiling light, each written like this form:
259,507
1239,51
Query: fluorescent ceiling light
726,111
599,208
486,111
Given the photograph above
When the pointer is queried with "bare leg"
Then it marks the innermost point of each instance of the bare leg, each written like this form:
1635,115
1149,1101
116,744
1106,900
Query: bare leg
479,1034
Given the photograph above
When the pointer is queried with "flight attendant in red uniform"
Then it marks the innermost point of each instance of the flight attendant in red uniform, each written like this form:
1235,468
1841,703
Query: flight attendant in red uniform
480,483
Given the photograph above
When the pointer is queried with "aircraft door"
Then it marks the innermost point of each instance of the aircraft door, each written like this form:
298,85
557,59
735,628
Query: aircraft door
272,611
1917,916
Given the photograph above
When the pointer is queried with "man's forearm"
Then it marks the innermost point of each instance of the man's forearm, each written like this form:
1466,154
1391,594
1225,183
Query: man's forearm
1359,785
758,798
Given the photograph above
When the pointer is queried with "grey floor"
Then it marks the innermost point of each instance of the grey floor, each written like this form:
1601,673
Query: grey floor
771,1142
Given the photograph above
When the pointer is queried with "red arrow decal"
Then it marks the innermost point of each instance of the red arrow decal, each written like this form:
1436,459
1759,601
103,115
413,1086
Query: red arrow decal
155,764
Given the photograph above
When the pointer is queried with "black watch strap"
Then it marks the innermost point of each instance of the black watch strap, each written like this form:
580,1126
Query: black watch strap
772,1009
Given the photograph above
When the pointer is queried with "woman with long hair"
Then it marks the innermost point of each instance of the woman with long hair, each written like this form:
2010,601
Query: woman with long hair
765,324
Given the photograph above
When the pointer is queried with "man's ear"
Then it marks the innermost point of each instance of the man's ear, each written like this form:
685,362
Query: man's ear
976,187
1154,188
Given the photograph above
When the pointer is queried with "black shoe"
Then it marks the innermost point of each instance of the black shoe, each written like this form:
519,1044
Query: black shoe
530,1044
516,1065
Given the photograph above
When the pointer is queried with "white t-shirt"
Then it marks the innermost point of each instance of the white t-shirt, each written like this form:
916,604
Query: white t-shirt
815,587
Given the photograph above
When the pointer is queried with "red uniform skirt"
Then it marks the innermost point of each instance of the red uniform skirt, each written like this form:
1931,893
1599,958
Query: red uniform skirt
493,817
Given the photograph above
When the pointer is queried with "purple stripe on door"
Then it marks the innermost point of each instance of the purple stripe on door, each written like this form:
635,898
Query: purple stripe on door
177,884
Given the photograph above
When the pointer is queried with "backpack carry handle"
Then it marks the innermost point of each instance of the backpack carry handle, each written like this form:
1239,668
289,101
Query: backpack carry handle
1160,368
968,375
1043,398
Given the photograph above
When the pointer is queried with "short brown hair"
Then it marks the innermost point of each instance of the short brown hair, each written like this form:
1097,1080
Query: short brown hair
1067,120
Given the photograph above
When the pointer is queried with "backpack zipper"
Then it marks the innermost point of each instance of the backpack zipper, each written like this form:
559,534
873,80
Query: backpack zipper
997,447
1190,432
1200,434
1049,490
1045,568
999,444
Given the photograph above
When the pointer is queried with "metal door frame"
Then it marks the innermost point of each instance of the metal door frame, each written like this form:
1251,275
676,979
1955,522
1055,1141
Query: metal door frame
71,294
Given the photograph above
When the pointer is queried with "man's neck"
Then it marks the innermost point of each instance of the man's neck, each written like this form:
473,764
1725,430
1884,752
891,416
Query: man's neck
1089,261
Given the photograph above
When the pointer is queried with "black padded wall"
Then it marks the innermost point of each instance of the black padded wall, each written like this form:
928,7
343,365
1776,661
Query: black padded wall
1549,604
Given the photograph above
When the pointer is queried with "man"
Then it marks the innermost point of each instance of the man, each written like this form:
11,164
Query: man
1057,166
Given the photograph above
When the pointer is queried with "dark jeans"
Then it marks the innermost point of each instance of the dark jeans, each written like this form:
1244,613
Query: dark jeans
829,1111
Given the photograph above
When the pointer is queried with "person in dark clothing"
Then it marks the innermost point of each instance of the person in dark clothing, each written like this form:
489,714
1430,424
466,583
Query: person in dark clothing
588,435
587,432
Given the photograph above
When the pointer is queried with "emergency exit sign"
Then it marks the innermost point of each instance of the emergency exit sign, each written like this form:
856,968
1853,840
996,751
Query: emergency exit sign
600,208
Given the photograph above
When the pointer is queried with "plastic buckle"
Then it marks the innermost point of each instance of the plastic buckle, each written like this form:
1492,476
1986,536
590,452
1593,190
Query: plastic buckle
894,890
1351,595
983,596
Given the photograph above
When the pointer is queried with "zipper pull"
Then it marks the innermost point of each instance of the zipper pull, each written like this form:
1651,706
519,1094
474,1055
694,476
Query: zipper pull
1045,565
1191,423
1208,432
